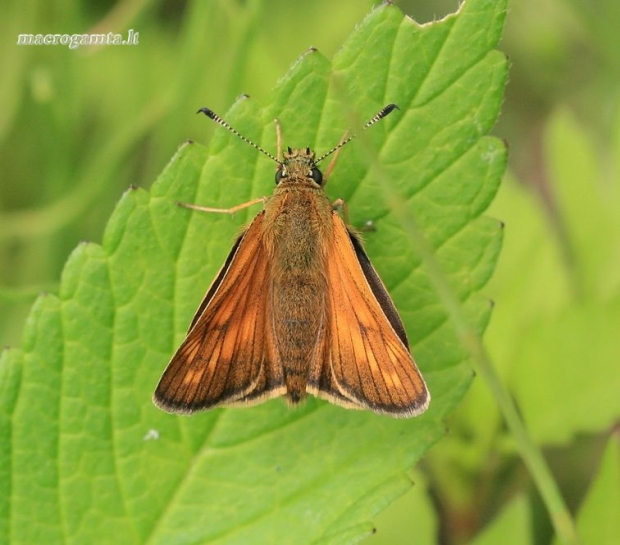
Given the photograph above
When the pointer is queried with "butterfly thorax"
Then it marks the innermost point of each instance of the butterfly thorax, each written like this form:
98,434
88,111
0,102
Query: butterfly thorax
298,229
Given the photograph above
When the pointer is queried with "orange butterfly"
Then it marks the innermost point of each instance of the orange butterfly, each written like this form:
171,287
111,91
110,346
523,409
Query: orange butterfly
297,308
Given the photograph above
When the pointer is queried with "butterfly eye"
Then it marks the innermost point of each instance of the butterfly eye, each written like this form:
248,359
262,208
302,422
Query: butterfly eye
280,173
316,175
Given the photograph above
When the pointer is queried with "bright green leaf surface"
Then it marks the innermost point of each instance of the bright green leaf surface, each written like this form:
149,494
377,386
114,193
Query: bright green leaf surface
88,459
598,520
410,519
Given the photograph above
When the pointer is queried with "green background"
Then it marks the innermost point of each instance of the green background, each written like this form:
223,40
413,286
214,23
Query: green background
78,127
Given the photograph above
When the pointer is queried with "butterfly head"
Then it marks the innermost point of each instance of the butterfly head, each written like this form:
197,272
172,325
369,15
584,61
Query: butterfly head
299,165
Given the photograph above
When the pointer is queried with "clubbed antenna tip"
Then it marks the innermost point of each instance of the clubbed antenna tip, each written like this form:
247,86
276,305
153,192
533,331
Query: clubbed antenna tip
377,117
212,115
208,113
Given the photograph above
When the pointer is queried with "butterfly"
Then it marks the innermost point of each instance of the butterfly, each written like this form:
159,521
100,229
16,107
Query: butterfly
296,309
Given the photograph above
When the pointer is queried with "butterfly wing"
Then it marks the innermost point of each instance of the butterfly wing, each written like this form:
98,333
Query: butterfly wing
225,358
368,363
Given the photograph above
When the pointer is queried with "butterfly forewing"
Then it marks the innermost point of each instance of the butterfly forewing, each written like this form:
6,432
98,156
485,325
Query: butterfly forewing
378,289
226,355
369,361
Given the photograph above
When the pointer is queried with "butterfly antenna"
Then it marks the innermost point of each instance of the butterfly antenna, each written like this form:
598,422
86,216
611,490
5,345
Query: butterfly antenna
377,117
212,115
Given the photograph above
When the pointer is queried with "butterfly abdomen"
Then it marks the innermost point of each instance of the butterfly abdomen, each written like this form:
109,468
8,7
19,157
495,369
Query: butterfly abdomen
298,282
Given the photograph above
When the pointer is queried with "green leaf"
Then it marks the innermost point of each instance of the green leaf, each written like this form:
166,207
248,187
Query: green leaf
91,459
598,520
511,526
554,332
411,517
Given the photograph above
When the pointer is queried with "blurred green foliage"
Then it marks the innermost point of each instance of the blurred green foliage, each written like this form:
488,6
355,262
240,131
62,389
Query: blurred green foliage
77,127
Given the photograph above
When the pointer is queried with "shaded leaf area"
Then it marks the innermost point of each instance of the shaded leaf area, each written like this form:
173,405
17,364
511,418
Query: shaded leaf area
554,337
90,459
512,525
554,332
597,520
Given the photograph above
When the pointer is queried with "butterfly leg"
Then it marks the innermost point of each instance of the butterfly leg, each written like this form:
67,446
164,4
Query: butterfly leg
278,140
230,211
341,205
332,163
